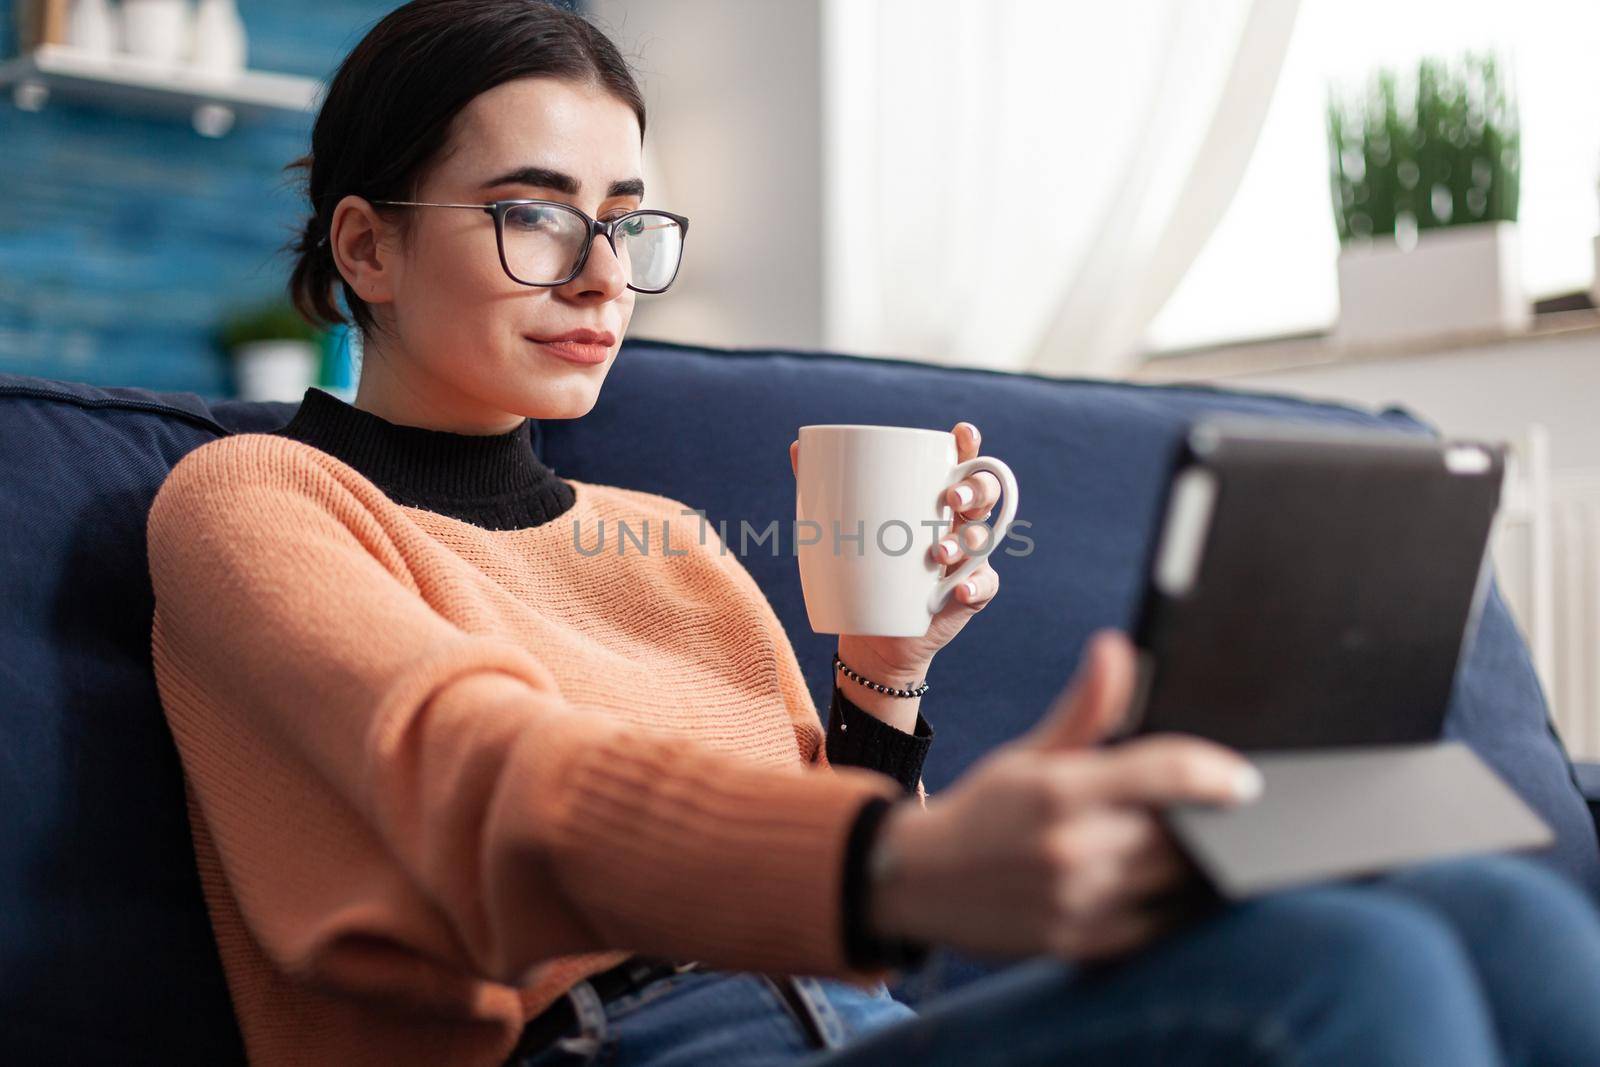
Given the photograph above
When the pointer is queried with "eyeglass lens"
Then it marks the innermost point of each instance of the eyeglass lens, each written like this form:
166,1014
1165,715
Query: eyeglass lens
543,245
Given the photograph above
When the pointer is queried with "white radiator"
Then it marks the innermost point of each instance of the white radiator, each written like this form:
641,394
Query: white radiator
1547,556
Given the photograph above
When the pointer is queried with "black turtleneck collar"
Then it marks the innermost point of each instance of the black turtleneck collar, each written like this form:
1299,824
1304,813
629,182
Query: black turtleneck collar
496,481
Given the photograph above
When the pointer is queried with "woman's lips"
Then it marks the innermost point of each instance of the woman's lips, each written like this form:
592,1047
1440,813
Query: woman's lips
576,352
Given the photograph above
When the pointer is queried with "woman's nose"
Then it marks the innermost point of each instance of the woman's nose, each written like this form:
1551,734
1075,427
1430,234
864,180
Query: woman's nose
602,272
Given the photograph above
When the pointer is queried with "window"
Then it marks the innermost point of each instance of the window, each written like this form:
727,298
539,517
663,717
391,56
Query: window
1269,269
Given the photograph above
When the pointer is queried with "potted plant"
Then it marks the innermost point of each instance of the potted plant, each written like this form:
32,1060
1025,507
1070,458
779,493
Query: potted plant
276,354
1425,176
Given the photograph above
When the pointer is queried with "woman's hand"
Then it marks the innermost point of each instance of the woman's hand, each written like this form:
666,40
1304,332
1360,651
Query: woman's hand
1048,845
903,660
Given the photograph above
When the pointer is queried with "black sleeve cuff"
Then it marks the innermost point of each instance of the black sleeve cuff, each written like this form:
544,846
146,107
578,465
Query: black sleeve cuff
860,739
862,950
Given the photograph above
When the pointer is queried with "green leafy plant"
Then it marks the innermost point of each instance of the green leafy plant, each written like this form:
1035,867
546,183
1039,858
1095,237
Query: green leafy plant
273,320
1442,149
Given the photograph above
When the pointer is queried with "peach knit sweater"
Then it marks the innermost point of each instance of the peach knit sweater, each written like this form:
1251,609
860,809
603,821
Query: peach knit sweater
437,773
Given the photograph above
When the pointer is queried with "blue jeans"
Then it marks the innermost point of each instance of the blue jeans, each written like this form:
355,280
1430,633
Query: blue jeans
1466,962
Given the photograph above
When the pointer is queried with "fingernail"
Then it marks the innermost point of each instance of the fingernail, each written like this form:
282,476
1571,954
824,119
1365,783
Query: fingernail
963,495
1247,783
972,590
947,548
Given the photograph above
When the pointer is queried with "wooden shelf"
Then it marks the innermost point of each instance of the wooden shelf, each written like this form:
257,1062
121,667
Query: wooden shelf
212,102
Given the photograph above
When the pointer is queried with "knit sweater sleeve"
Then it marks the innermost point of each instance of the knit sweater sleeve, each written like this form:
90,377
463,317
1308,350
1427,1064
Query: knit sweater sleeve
396,801
858,738
875,744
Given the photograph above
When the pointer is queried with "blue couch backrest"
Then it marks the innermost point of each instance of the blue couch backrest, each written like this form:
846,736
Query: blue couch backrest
104,942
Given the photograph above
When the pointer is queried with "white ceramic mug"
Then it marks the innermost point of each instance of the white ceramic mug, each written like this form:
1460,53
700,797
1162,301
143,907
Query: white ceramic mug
887,484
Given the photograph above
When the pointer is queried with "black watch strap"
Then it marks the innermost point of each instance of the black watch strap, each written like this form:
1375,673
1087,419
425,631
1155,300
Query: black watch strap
863,950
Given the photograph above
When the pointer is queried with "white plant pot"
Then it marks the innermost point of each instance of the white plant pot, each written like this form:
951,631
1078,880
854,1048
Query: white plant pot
1594,289
275,370
1459,280
157,30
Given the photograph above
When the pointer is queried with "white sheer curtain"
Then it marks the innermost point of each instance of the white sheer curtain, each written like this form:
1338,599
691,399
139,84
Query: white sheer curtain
1021,184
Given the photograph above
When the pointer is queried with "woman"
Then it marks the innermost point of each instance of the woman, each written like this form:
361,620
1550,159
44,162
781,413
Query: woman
465,791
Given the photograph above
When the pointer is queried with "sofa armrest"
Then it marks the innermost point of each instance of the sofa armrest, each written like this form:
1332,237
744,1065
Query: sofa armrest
1588,776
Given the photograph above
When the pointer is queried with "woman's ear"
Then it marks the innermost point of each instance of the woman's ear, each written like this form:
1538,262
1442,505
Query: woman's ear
359,242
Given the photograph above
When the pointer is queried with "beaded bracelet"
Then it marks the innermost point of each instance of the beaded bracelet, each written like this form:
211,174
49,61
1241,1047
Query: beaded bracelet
910,691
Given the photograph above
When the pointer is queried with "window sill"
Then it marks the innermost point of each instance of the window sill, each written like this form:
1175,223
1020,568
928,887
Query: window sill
1293,352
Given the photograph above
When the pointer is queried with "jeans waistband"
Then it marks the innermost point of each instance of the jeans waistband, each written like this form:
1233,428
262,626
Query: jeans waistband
631,975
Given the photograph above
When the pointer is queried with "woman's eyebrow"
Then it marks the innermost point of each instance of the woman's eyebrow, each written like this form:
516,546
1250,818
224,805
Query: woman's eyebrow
545,178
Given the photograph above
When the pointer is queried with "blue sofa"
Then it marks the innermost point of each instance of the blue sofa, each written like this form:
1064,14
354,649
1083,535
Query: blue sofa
105,950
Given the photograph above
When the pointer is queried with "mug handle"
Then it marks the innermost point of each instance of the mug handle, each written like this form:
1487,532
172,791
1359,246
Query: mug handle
998,531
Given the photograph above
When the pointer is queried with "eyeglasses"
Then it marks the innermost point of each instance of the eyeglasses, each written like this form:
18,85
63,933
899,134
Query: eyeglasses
546,242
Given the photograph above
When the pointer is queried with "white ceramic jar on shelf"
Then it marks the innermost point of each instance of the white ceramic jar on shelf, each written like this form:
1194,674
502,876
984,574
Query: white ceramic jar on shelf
157,30
218,42
93,27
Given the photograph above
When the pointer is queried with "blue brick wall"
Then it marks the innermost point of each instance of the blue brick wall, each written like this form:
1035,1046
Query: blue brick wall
124,238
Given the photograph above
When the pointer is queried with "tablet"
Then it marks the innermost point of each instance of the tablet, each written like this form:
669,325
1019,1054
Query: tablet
1309,595
1312,586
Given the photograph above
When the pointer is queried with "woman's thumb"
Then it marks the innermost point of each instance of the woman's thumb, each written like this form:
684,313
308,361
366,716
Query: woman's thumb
1095,701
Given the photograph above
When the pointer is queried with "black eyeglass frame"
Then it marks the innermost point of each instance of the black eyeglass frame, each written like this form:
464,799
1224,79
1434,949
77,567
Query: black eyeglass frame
497,210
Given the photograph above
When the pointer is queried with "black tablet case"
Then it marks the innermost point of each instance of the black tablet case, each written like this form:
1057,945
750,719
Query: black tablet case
1341,575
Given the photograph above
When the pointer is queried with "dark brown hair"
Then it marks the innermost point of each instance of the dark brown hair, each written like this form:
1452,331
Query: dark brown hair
389,108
